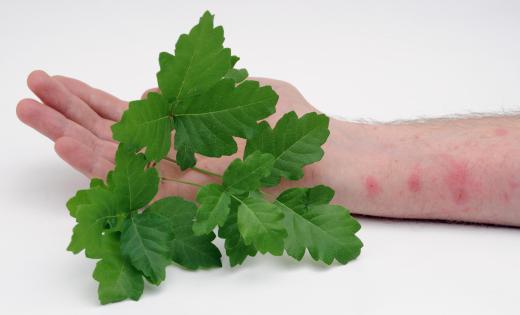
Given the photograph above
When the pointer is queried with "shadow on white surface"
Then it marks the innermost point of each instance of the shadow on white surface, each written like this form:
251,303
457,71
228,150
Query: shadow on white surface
46,181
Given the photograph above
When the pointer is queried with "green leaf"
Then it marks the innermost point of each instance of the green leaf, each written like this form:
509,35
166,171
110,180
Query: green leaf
244,176
237,75
213,210
236,248
145,243
234,60
186,249
209,102
207,123
147,123
118,279
185,156
134,185
326,231
82,197
200,61
239,178
101,208
92,219
294,142
261,223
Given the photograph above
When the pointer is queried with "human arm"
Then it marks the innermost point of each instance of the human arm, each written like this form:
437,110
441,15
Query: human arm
456,169
463,169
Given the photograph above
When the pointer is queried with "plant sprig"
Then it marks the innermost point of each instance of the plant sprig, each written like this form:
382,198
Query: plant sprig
208,102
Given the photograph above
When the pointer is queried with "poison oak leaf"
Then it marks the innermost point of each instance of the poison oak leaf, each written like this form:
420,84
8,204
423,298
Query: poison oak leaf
236,248
134,185
234,60
147,123
102,207
92,219
240,177
186,249
208,102
82,197
206,123
294,142
244,176
145,243
200,61
261,223
118,279
237,75
326,231
214,208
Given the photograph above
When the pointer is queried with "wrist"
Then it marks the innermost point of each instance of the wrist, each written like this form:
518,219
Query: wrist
360,159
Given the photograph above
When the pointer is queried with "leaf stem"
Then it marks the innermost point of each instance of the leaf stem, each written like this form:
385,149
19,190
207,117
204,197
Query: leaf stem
177,180
196,169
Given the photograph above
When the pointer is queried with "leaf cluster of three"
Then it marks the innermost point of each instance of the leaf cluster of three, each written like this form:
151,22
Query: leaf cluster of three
208,102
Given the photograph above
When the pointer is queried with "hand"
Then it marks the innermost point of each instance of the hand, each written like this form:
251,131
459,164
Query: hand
78,118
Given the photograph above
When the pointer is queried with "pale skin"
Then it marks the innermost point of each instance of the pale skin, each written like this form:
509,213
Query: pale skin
465,169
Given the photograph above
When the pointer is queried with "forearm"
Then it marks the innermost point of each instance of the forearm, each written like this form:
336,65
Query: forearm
456,169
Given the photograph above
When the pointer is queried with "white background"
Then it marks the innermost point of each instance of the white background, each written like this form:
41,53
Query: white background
358,59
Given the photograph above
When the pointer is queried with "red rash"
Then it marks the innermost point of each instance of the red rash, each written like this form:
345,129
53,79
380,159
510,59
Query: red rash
457,181
414,181
501,132
506,197
372,186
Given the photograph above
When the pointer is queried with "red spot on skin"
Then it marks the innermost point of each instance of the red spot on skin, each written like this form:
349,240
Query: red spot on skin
414,181
372,186
457,181
506,197
501,132
514,184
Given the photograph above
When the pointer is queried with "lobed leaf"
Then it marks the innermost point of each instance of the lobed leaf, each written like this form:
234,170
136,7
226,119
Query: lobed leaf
209,102
214,208
237,75
240,178
145,243
244,176
82,197
146,123
200,61
206,123
103,207
294,142
261,223
326,231
186,249
133,185
118,279
92,219
236,248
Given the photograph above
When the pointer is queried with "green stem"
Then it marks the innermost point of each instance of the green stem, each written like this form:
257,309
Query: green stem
200,170
177,180
236,198
207,173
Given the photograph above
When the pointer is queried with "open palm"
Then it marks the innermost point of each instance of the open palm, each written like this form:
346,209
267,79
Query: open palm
78,117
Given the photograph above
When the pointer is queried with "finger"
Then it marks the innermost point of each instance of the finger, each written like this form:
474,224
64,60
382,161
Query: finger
82,158
103,103
54,125
55,95
145,94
